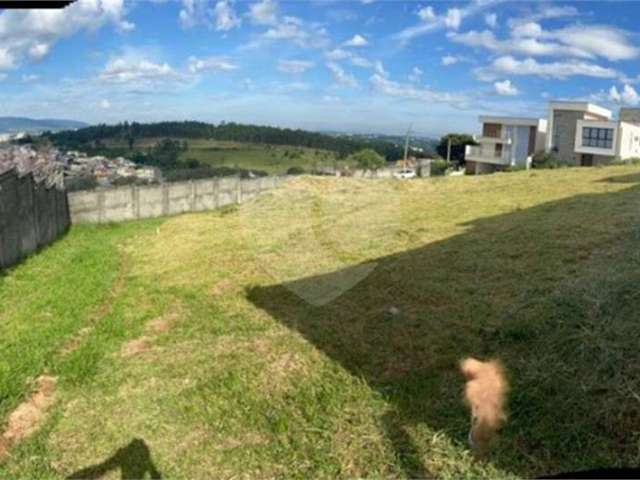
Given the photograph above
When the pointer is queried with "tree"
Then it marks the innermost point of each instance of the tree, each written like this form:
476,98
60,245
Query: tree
368,159
458,143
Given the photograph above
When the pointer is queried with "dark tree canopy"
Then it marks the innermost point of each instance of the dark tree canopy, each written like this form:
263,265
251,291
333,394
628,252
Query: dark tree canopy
458,143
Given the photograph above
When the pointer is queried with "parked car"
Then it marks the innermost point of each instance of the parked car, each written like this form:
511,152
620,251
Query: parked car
405,173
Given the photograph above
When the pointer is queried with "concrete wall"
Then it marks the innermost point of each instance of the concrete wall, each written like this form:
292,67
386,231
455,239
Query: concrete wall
630,115
629,146
563,135
132,202
31,216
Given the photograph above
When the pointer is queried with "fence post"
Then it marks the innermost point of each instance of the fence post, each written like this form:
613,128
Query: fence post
192,199
100,206
165,199
238,190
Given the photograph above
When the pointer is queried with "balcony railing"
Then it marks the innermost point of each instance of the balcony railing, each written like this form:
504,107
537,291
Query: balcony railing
487,154
493,140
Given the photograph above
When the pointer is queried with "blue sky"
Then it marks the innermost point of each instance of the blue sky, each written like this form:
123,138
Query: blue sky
365,65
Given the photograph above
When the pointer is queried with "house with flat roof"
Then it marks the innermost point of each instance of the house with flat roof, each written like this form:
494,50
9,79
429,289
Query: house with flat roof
576,133
505,142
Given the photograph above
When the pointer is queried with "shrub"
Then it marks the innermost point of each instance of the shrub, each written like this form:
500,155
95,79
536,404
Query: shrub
84,182
295,170
439,167
192,163
210,172
122,181
368,159
544,160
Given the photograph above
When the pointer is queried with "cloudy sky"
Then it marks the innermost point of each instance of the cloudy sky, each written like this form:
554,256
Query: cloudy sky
365,65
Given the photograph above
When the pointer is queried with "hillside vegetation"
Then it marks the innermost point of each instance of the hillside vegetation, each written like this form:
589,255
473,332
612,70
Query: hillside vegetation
316,332
94,136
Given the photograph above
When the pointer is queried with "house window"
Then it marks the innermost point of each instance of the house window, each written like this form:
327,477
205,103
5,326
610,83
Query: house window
597,137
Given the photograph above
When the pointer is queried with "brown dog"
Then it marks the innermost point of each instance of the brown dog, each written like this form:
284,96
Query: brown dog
485,393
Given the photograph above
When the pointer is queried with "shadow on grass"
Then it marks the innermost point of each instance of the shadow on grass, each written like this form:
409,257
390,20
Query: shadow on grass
134,462
550,290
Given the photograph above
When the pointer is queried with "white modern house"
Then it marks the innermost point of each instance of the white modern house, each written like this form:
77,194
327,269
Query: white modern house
576,133
505,142
584,134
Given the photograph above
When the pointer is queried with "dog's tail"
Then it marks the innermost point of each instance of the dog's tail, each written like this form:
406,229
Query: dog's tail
485,393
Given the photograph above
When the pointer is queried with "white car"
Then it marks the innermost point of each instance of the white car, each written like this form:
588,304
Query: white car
406,173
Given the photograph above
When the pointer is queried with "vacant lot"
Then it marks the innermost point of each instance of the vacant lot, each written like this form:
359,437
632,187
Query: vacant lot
315,332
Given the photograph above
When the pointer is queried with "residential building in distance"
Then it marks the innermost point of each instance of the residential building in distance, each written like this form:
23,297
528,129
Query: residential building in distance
505,142
576,133
595,138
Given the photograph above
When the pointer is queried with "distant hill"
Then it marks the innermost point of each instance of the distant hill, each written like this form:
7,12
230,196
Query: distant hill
32,125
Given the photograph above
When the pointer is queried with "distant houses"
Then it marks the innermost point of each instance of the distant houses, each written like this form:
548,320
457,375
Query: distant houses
575,133
105,170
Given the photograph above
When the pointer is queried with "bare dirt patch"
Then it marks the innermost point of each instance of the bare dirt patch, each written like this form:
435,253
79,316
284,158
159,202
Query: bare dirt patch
135,347
153,328
29,416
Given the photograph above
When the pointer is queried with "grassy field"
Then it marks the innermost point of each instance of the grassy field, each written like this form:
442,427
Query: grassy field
315,332
273,159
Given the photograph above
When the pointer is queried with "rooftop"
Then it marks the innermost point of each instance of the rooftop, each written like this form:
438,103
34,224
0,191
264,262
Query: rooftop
581,107
43,165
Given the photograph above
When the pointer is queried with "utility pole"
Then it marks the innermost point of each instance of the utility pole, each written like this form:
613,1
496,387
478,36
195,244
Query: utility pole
406,147
448,148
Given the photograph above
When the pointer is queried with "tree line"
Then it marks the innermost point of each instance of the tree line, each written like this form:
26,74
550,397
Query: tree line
131,132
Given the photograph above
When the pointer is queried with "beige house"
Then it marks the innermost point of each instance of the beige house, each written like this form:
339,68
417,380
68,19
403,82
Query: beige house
505,142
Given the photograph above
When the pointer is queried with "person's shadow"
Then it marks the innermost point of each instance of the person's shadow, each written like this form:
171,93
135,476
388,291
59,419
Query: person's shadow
133,460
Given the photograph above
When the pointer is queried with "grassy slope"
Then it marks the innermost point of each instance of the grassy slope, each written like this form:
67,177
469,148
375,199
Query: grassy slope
538,269
269,158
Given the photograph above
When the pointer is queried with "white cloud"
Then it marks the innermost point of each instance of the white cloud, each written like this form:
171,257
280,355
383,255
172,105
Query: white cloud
337,54
431,22
264,12
546,12
628,96
408,91
340,76
427,14
294,30
529,38
187,14
128,69
356,41
449,60
294,66
220,64
32,33
508,65
453,18
104,104
378,67
491,19
361,62
415,75
30,78
225,16
125,26
505,88
222,16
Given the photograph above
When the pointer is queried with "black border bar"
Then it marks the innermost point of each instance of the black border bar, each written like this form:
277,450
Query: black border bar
34,4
